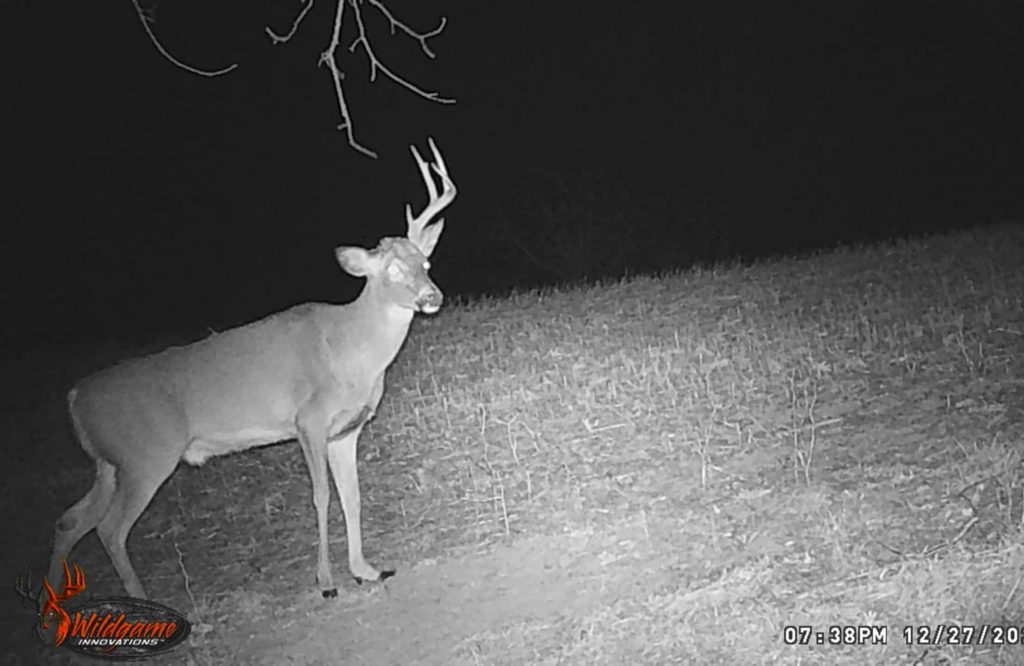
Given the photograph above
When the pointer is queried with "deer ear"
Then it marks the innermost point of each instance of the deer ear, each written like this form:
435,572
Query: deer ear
356,261
426,239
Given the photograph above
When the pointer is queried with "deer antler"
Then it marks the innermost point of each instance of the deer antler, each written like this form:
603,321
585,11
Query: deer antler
23,587
437,202
71,587
52,609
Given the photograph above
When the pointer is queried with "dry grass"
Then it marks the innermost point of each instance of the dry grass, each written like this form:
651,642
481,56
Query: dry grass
829,440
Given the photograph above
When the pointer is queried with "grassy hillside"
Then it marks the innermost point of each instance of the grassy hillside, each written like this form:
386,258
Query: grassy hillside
661,470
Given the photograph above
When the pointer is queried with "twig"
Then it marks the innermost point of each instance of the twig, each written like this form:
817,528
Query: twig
146,18
327,58
376,64
276,38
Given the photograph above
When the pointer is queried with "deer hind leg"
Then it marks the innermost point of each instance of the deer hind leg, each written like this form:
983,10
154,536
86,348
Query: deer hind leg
80,518
341,453
136,484
312,430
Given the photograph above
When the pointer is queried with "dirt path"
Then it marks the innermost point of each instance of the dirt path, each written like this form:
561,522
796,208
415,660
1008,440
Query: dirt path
433,613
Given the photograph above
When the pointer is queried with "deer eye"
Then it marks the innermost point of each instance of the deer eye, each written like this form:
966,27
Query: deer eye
426,265
396,270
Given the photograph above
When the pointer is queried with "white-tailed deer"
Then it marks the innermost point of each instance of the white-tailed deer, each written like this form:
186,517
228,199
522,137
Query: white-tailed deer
314,373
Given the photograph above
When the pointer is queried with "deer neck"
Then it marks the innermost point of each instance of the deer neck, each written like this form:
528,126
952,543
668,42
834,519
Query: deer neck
370,330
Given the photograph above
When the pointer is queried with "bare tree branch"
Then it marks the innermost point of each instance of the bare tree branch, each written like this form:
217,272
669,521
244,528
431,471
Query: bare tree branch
279,39
146,17
376,64
419,37
327,58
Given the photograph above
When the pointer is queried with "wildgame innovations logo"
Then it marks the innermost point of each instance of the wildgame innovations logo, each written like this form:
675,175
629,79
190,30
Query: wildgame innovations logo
115,628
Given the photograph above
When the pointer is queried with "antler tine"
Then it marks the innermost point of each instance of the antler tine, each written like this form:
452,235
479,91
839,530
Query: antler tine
76,586
437,202
50,591
23,586
425,170
439,165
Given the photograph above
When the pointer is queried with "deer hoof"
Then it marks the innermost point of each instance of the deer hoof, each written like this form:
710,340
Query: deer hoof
384,575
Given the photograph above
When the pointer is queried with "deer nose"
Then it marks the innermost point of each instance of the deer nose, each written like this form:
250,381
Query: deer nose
430,301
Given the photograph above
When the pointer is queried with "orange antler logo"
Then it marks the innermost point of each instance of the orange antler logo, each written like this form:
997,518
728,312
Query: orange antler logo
53,610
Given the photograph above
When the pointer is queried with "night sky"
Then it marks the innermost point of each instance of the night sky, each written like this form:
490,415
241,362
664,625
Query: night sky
588,140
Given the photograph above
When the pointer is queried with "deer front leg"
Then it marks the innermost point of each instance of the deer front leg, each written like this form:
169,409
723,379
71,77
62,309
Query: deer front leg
341,453
312,430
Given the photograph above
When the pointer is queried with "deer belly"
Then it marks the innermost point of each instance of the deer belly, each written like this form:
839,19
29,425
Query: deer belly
202,448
